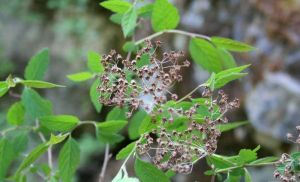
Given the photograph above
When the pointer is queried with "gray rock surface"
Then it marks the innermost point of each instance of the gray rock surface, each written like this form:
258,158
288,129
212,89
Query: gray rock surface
273,105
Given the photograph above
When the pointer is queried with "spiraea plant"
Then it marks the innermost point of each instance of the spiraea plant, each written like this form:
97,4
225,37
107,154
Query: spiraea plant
169,133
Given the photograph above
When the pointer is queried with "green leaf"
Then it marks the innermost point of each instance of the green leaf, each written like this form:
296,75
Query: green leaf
148,173
146,125
39,84
231,45
146,10
246,156
68,160
164,16
230,126
129,21
6,156
116,6
247,176
125,151
265,160
130,47
34,104
205,54
116,18
3,88
170,173
116,114
32,156
94,62
134,124
227,59
57,139
79,77
219,162
19,142
60,123
122,176
145,60
15,114
37,66
94,95
226,76
109,138
112,126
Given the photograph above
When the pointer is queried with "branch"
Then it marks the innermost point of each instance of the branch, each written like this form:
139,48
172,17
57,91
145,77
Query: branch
189,94
245,165
107,156
193,35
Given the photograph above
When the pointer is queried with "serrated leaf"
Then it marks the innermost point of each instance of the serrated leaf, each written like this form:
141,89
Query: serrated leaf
116,114
125,151
226,76
146,125
15,114
116,6
3,88
112,126
68,160
37,66
230,126
148,173
79,77
94,62
129,21
231,45
94,95
164,16
205,54
32,157
34,104
227,59
60,123
134,124
39,84
6,157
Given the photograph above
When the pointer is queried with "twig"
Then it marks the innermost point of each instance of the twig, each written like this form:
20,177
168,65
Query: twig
107,156
49,151
189,94
173,31
11,93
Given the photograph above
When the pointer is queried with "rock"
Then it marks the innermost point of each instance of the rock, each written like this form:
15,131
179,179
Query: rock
273,106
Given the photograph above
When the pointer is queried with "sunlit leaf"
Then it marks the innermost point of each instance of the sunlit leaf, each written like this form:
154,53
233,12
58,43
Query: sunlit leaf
68,160
164,16
37,66
59,122
16,113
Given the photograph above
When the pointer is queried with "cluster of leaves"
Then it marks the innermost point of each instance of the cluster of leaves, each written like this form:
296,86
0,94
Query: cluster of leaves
212,53
33,114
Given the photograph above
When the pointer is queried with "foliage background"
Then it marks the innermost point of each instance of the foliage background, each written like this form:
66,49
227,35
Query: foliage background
269,94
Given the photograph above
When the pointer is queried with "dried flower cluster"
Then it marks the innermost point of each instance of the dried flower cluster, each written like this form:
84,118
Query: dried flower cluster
288,166
179,150
126,81
286,169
